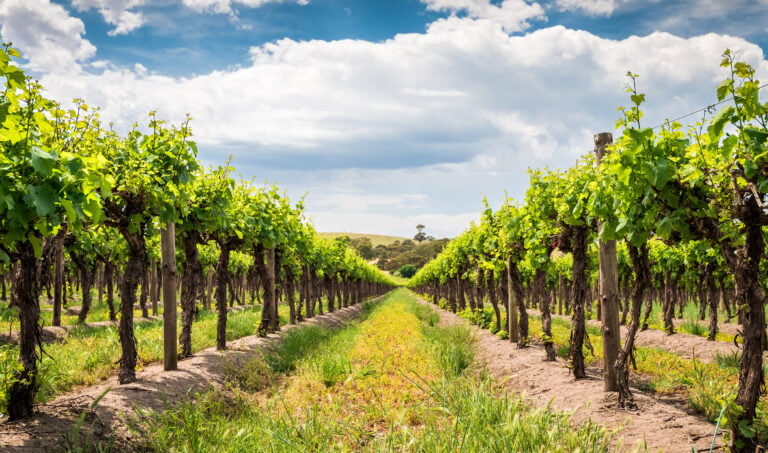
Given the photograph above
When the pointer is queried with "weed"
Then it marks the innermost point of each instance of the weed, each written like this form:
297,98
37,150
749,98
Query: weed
593,331
425,313
333,369
9,367
454,348
251,375
294,345
694,327
481,318
728,359
77,442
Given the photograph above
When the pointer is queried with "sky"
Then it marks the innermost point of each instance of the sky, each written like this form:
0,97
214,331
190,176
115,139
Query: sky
385,114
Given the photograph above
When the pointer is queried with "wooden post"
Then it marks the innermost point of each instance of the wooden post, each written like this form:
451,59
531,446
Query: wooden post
154,286
608,291
58,280
512,327
100,282
168,250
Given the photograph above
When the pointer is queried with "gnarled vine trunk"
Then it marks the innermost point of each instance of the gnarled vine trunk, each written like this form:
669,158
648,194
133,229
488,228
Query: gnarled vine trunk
25,293
746,272
641,267
579,298
516,288
222,272
713,298
539,281
191,282
269,320
134,270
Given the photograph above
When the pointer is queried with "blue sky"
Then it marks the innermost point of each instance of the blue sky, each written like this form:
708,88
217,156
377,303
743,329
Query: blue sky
386,113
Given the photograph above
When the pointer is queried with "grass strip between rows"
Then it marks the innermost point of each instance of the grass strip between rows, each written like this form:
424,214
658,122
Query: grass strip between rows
395,380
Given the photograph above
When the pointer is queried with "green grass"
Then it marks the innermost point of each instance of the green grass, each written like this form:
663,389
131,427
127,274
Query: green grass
395,381
400,281
9,317
694,327
90,353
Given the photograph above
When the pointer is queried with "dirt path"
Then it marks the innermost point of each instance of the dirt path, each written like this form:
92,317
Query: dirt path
662,424
45,432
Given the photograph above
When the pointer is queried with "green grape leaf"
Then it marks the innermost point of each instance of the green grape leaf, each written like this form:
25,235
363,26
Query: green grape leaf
718,123
750,169
759,136
37,244
42,161
746,428
43,198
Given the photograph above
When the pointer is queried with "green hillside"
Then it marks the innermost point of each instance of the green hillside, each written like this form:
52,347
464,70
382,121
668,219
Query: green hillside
376,239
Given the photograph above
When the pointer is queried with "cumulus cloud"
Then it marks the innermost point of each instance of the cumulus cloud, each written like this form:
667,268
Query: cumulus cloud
513,15
463,85
431,120
589,7
50,39
115,12
226,6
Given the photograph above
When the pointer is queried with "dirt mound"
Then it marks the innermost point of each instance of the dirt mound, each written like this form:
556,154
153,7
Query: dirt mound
660,424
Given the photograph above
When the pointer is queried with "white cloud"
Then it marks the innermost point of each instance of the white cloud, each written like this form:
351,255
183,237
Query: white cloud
589,7
125,15
115,12
49,38
438,225
434,120
462,87
513,15
226,6
358,201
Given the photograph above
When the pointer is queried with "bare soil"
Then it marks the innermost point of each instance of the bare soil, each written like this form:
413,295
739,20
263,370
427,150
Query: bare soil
661,424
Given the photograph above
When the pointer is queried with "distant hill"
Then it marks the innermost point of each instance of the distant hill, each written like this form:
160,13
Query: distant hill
376,239
391,253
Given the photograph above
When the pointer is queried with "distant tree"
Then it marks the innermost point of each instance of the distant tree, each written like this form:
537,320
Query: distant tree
420,236
406,271
364,247
407,253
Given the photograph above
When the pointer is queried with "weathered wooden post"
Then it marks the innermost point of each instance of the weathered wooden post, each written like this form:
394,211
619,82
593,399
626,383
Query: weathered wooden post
609,290
512,327
168,251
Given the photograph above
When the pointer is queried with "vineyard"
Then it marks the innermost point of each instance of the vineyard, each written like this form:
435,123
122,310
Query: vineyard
637,271
668,214
116,206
